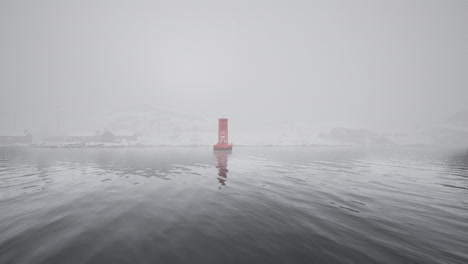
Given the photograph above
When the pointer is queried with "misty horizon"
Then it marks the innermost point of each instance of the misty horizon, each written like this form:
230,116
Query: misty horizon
389,65
243,131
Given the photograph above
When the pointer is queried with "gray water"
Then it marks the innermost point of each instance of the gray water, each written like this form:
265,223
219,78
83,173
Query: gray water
254,205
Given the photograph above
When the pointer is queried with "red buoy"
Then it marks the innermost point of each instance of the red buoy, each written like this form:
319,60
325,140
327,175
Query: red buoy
223,143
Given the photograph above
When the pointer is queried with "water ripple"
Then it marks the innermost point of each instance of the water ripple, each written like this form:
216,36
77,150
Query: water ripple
254,205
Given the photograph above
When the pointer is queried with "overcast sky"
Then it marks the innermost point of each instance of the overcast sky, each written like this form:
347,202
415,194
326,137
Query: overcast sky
382,63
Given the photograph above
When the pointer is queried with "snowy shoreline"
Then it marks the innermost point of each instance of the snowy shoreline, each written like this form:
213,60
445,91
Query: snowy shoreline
139,145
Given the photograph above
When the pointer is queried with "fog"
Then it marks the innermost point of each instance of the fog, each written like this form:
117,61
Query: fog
266,65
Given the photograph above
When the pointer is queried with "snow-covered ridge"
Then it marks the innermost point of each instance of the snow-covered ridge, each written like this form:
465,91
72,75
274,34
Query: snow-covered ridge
157,127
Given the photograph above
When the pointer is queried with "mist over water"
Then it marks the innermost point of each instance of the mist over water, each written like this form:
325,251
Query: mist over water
275,205
348,123
306,66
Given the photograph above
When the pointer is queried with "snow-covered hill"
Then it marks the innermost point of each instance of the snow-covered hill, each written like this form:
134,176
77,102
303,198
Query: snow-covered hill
156,126
451,131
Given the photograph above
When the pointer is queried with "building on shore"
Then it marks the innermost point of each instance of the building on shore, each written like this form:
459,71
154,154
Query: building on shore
16,138
112,136
108,136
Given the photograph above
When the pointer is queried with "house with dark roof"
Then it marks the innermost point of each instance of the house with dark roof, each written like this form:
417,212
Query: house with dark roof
16,138
112,136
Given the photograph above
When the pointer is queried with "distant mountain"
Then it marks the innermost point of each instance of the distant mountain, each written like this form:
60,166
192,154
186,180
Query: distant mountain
157,126
451,131
356,137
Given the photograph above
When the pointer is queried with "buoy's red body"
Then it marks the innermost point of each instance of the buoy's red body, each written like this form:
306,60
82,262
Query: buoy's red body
223,143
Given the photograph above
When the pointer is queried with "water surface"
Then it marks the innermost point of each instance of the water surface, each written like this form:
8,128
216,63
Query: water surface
254,205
